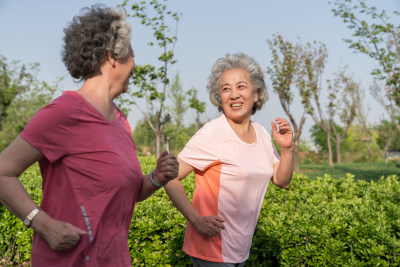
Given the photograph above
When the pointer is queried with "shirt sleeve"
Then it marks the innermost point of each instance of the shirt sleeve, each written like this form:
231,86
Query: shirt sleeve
277,157
48,129
202,149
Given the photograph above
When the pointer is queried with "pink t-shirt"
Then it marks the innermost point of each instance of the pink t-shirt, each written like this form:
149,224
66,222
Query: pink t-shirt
91,179
231,180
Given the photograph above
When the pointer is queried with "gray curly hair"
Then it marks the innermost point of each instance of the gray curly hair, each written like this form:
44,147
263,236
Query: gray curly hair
240,61
90,37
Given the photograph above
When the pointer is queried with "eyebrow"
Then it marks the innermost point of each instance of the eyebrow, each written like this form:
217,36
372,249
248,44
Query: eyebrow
228,84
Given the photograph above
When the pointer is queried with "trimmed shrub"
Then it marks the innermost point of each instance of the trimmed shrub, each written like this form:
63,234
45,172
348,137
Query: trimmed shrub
322,222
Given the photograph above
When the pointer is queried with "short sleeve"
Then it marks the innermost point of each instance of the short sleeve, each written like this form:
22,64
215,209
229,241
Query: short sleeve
277,157
48,129
202,149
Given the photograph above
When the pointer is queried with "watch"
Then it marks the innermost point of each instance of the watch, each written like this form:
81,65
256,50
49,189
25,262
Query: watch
31,215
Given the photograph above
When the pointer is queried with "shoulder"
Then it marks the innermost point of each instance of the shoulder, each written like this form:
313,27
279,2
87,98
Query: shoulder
61,109
68,99
213,128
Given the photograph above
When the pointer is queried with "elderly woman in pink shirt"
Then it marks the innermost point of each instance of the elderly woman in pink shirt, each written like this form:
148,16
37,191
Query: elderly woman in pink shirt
233,159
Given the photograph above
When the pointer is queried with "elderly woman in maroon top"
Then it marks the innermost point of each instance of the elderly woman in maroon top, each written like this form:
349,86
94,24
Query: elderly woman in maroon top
91,174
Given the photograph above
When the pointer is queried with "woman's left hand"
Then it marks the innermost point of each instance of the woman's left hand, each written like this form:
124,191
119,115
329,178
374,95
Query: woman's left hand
283,137
167,168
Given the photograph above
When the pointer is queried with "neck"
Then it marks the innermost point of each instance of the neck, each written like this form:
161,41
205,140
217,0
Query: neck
244,130
100,95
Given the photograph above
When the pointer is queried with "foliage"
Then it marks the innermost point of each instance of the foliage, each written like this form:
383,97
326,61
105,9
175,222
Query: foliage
320,222
367,171
387,135
318,136
285,74
15,238
197,105
21,97
327,222
375,36
144,137
155,15
175,133
356,147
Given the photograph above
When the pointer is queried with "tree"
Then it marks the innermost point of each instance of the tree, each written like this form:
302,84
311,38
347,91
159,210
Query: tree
318,135
343,108
379,39
143,136
177,109
21,97
284,73
342,100
197,105
368,129
388,138
312,64
155,16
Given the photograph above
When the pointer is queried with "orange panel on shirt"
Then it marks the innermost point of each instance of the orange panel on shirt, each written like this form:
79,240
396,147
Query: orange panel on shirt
207,190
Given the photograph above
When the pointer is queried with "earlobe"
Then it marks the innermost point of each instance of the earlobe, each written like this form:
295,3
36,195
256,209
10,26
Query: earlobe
111,60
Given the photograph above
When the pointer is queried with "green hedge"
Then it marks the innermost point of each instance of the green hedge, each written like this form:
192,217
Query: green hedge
323,222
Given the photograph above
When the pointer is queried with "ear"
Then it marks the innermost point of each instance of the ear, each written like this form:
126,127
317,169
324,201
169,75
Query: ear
111,59
256,98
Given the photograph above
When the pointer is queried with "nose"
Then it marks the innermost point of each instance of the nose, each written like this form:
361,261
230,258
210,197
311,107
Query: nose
234,93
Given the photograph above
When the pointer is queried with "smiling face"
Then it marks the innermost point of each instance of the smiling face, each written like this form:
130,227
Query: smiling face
237,95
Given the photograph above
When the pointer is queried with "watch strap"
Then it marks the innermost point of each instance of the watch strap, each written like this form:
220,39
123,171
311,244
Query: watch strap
31,215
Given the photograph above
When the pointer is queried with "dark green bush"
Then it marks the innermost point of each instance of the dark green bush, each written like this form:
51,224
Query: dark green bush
322,222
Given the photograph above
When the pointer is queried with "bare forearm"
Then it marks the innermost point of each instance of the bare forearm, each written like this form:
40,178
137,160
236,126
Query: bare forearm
178,196
147,188
285,169
14,197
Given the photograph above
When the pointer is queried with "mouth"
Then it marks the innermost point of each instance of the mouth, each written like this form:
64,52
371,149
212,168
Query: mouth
236,105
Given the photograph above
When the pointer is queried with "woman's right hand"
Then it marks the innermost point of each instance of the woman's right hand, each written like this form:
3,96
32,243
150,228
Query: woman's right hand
209,225
58,234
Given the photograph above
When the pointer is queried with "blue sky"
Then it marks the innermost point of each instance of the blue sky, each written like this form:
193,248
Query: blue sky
32,31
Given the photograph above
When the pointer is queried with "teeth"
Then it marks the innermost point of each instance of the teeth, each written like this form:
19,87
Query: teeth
236,105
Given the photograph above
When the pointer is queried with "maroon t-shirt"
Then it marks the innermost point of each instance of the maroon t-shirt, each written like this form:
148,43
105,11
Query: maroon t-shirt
91,179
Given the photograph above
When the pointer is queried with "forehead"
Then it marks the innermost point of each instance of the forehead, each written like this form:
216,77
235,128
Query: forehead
234,75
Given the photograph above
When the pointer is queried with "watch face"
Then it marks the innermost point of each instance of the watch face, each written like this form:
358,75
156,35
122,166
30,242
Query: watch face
27,222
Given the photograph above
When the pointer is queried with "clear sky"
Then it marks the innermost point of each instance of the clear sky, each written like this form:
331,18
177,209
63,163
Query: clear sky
32,31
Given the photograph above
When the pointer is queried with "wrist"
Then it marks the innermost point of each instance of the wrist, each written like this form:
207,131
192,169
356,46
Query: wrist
155,181
29,218
287,149
194,218
38,223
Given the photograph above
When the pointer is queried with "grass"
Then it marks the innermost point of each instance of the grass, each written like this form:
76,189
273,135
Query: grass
368,171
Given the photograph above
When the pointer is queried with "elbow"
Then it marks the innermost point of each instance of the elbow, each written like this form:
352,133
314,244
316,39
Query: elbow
283,186
282,183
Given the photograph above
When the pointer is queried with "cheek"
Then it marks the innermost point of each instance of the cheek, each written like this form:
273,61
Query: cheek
224,99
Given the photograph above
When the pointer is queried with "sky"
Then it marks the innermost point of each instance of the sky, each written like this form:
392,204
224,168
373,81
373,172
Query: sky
32,31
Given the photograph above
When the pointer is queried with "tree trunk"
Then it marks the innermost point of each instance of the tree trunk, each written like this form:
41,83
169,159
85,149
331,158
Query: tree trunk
296,152
338,156
158,143
328,141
